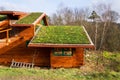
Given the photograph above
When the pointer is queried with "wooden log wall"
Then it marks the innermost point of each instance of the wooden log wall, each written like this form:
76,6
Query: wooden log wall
21,53
68,61
41,57
3,24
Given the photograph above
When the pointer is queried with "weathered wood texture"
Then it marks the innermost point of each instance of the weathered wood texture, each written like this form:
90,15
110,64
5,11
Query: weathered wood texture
41,57
13,14
4,23
17,47
19,51
68,61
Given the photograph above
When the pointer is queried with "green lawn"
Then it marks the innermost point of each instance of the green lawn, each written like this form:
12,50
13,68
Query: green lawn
108,68
29,19
61,35
54,74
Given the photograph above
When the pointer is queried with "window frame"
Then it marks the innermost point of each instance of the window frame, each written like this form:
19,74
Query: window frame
63,51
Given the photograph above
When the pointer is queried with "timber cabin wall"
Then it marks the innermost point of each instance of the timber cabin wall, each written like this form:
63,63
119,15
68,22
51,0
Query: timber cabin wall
76,60
3,24
21,53
17,48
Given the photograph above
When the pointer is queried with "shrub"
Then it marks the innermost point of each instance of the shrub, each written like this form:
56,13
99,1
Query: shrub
112,60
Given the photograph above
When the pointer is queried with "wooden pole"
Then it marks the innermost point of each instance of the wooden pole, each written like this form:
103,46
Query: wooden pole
7,37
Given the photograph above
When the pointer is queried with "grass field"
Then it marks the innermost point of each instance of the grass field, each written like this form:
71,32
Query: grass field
90,71
55,74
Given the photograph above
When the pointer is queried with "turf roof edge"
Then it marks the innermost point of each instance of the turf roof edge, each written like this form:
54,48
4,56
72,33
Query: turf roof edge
90,45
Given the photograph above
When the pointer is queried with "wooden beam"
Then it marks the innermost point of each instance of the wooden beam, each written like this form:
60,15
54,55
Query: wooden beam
4,30
12,13
4,23
61,45
7,36
21,25
39,19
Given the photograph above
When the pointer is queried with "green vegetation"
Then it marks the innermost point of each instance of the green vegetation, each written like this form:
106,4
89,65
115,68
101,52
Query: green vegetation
89,71
112,60
29,19
36,27
55,74
3,17
61,35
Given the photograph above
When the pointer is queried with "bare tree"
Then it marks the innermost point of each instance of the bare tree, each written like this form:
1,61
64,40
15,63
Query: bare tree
56,19
80,15
105,27
107,16
67,15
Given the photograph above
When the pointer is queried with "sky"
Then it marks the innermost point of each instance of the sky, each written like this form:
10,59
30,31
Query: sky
50,6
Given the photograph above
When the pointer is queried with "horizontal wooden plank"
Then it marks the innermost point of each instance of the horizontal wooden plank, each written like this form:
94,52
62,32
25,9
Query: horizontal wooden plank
21,25
5,30
62,45
4,23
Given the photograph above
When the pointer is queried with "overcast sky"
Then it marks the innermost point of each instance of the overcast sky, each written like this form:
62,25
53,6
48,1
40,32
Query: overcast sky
50,6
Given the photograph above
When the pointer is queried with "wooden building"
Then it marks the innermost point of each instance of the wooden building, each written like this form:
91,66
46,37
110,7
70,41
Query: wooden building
15,34
64,44
26,37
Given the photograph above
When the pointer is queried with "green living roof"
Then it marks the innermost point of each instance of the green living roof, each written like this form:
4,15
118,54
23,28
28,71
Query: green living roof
61,35
3,17
29,19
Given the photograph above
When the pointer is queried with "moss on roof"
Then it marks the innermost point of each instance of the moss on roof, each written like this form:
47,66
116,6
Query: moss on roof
3,17
29,19
61,35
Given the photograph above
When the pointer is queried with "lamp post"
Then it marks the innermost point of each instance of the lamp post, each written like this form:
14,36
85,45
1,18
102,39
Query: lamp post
94,17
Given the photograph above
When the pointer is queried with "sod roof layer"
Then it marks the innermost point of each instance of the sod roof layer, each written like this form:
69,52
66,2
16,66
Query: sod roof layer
61,35
29,19
3,17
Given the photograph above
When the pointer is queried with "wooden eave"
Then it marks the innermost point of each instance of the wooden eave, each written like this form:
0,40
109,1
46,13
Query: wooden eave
12,13
21,25
4,30
90,45
61,45
3,23
40,18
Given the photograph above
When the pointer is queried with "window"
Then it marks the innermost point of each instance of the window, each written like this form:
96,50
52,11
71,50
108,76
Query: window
63,51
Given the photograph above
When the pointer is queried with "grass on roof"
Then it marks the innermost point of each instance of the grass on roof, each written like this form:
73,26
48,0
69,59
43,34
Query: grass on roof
61,35
29,19
3,17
